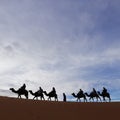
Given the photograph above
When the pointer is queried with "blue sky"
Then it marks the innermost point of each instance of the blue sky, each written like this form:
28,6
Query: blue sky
63,43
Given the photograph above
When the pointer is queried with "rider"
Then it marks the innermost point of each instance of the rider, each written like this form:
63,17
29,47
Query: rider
40,90
23,87
53,90
94,91
104,90
80,92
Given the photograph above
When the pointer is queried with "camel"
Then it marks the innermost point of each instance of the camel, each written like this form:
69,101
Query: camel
78,96
37,94
105,94
93,95
51,94
20,92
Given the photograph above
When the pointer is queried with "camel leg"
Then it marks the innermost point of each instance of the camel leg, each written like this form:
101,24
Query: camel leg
26,96
104,99
109,99
96,99
43,98
85,100
40,97
92,99
33,98
100,99
49,98
19,96
56,99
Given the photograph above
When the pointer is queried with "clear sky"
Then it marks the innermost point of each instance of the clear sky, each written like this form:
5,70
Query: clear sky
69,44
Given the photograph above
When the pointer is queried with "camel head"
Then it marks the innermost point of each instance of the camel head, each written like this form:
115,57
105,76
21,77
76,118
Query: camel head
30,91
86,93
12,89
98,92
45,92
101,94
73,94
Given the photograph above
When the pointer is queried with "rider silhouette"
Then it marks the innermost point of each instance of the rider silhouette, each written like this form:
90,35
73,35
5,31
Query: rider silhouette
80,92
104,90
40,90
53,90
23,87
94,91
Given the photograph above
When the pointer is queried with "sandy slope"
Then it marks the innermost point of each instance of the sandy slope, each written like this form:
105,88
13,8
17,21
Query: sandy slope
21,109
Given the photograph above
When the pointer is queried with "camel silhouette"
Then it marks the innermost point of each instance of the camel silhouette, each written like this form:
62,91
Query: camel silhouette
20,92
37,94
50,95
104,95
80,95
93,95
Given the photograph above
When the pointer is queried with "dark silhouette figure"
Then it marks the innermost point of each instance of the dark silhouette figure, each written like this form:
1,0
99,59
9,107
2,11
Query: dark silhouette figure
93,95
64,97
23,87
80,92
79,95
53,90
20,92
105,94
94,91
51,94
37,94
40,90
104,90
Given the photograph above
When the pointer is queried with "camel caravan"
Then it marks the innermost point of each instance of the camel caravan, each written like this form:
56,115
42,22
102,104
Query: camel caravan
94,96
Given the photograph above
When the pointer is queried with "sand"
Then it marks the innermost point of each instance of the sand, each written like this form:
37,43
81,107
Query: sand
22,109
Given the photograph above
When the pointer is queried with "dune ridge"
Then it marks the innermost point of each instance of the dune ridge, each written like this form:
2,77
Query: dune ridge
23,109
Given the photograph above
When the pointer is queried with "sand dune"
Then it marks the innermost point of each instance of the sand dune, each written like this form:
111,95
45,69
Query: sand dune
22,109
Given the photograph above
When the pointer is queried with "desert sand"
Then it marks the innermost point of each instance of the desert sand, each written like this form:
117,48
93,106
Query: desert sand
22,109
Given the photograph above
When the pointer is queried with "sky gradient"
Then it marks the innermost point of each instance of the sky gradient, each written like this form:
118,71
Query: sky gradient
63,43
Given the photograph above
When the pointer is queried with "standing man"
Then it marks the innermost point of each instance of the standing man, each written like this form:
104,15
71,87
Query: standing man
64,97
